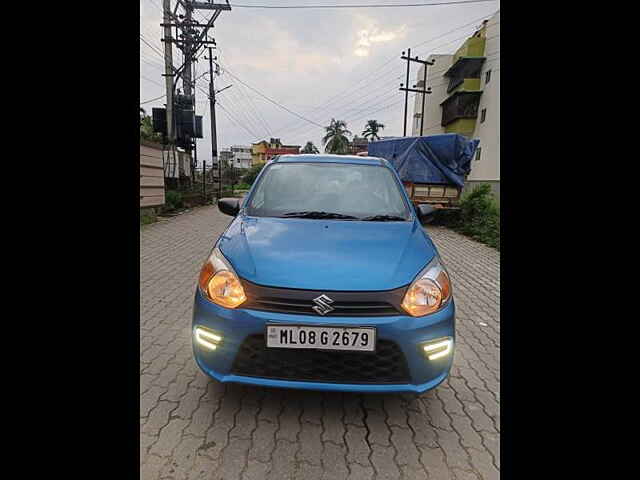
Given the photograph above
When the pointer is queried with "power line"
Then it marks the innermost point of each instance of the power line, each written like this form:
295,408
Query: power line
153,99
239,106
232,118
152,81
357,86
157,6
380,5
377,100
355,108
353,119
151,46
257,113
273,101
151,63
360,102
384,74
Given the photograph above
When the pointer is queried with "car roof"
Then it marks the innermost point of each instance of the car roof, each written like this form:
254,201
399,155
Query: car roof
328,158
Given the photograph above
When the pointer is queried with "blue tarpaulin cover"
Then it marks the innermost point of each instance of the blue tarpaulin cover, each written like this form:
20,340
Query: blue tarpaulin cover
441,159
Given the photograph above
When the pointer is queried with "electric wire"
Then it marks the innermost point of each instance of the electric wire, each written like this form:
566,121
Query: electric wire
153,99
379,5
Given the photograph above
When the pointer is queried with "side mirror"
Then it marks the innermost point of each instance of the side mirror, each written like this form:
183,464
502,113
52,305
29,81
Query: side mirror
426,213
229,206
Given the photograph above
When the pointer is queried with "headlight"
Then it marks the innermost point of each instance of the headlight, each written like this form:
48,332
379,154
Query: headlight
429,292
219,283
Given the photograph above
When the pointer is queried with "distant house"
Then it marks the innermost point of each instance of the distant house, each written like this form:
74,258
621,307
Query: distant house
226,157
358,144
264,151
241,156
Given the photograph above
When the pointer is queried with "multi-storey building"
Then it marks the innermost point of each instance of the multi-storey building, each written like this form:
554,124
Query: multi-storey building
465,99
264,151
241,156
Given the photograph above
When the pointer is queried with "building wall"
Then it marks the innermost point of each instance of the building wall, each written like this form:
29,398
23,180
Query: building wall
242,156
151,176
487,168
438,83
225,156
258,153
264,151
272,152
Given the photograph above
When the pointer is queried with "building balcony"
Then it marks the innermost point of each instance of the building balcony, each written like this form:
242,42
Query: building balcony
468,85
464,68
461,104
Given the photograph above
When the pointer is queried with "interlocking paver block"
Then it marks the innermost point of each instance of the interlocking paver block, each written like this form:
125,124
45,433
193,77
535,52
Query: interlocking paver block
195,428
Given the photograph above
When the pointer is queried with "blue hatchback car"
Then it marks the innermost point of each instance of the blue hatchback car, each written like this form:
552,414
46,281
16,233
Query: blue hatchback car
325,280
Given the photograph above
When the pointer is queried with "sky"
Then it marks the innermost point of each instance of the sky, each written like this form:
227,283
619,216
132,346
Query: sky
319,63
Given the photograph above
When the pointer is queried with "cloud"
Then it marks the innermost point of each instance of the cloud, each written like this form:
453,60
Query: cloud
367,37
310,61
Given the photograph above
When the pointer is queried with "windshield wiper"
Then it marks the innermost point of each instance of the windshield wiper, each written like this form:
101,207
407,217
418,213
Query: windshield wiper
320,215
383,218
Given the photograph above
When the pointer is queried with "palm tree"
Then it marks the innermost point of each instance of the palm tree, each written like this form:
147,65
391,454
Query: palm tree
371,129
310,148
336,141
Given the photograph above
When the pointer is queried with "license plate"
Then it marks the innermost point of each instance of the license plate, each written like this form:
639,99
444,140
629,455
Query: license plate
362,339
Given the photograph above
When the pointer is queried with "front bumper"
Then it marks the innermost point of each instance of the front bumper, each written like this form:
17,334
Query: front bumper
234,325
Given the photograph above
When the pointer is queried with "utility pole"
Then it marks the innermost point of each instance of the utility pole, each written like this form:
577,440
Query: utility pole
406,93
192,37
424,90
214,139
168,68
424,96
194,163
187,32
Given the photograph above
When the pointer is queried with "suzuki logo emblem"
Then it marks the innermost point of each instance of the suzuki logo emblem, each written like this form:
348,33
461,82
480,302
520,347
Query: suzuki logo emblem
323,304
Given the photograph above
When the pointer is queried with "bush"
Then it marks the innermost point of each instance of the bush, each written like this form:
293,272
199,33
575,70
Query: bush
479,216
173,200
251,175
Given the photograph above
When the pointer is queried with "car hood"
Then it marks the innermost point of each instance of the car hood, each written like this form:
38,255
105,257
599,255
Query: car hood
326,254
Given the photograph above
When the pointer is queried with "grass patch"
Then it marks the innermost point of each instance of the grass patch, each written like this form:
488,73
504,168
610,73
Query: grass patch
147,217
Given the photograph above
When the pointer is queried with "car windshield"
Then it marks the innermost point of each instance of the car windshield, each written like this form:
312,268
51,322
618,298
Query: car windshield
328,190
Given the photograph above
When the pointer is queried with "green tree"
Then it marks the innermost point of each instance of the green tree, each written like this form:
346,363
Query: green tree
146,128
253,172
335,140
310,148
371,129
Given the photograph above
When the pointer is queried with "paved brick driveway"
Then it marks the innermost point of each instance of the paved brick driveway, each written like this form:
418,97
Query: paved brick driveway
191,427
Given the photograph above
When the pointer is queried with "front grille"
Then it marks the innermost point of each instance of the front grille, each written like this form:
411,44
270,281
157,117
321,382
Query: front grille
386,365
345,304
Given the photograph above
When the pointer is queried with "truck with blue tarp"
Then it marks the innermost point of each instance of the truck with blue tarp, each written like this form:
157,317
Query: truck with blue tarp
433,168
